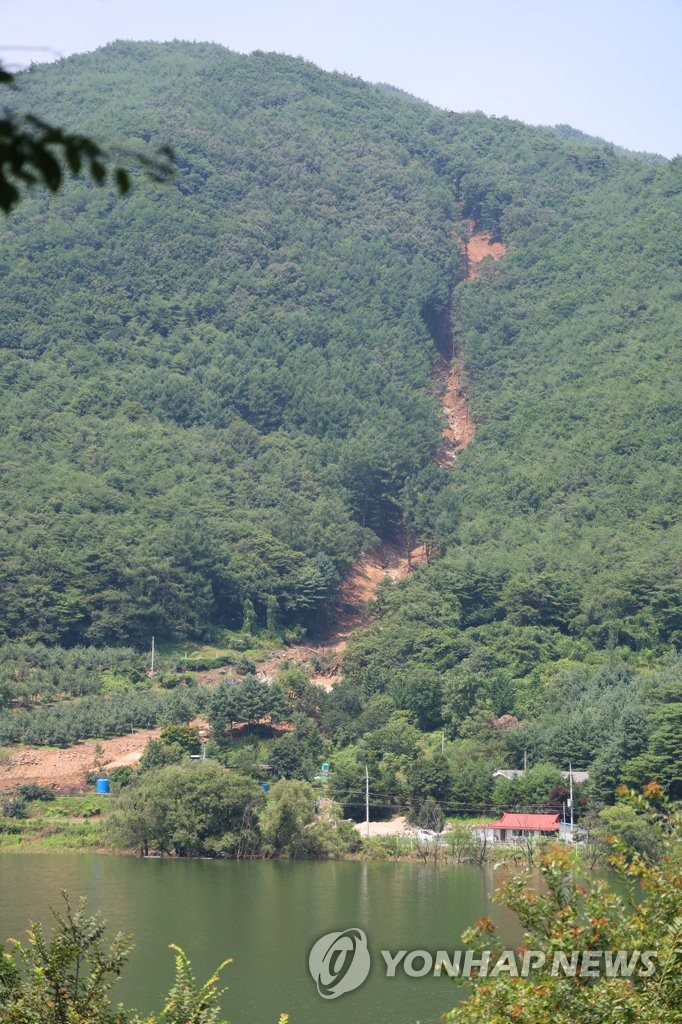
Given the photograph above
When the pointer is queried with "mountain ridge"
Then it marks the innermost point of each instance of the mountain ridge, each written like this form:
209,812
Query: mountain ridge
253,223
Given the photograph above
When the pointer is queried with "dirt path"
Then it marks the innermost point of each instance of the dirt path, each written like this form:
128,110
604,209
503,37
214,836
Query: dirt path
394,827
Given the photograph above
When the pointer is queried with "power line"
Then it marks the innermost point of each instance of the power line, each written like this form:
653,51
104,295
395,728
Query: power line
388,801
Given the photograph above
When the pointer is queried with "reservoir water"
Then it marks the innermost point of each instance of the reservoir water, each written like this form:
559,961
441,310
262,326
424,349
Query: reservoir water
266,915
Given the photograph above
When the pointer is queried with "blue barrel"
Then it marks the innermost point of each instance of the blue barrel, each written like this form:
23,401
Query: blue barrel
265,786
102,785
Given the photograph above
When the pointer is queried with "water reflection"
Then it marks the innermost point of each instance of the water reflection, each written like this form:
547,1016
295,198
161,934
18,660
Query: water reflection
266,916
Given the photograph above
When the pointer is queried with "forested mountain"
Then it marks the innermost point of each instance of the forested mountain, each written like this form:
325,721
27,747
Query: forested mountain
216,391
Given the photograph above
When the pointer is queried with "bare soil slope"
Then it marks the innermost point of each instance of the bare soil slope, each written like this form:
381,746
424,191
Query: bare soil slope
460,427
386,561
478,247
66,770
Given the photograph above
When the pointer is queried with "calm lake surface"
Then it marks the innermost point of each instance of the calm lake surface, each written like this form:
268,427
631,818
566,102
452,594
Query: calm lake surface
265,915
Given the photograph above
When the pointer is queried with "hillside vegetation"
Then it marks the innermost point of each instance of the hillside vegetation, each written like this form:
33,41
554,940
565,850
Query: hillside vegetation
216,392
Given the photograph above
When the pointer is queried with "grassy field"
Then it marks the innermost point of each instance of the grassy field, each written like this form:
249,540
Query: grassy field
66,823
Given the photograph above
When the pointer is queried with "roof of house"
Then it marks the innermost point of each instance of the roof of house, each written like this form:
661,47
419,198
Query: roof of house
518,773
526,822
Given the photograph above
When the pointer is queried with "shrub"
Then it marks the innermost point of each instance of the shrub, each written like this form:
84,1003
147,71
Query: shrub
33,792
13,806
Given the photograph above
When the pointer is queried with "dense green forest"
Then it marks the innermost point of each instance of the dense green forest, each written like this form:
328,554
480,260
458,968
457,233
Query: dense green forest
214,390
217,391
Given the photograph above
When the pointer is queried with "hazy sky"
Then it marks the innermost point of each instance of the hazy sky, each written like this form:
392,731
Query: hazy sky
608,67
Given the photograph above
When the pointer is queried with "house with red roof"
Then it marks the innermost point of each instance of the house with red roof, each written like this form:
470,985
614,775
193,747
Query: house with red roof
514,828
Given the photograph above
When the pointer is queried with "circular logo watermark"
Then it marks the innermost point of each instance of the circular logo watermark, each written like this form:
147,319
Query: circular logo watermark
339,962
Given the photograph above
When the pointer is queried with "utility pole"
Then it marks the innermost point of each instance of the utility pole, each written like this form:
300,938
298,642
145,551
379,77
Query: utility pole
367,797
152,669
525,761
570,796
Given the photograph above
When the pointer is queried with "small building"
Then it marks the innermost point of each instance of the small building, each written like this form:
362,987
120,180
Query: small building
517,773
515,828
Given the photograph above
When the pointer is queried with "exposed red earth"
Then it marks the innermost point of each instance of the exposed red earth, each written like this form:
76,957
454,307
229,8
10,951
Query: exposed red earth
65,770
478,247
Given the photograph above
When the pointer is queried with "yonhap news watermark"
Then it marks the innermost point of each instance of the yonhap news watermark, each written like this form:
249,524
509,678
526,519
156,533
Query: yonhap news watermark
340,962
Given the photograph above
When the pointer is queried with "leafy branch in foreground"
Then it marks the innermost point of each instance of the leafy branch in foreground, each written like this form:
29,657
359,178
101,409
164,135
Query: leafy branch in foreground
33,152
67,979
187,1003
640,914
